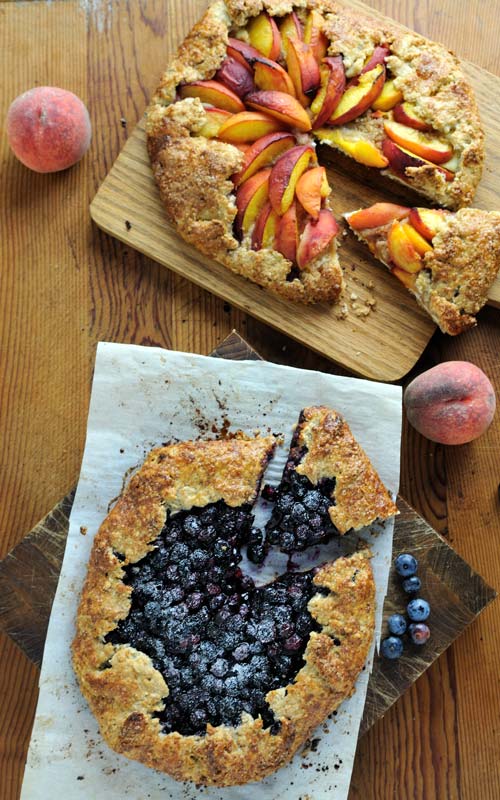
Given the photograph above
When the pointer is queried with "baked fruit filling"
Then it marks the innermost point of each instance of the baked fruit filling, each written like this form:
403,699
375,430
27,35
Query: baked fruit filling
187,665
220,643
447,260
399,236
279,86
300,516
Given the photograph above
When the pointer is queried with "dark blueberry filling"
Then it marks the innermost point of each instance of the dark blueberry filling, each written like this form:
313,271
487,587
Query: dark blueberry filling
220,642
300,516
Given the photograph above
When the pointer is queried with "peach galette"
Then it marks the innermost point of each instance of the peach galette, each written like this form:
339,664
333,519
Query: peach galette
186,664
233,125
447,260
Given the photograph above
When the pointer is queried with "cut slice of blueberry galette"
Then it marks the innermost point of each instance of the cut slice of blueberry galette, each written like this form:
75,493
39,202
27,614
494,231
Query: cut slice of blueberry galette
448,261
186,664
232,132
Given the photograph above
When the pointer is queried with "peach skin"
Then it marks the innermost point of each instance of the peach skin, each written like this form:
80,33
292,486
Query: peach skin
332,77
316,237
287,234
214,93
281,106
452,403
250,198
262,153
285,174
312,187
247,127
359,97
265,36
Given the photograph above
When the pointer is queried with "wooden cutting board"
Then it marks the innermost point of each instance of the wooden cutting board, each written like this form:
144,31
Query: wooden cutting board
382,342
29,576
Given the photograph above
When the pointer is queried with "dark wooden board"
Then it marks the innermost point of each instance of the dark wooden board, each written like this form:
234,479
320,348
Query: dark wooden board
29,576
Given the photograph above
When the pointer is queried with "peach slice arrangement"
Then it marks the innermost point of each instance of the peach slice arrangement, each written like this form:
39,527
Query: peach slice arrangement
233,127
276,88
447,260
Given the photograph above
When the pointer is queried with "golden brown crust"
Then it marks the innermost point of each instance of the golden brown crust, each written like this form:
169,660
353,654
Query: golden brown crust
332,452
193,172
430,77
457,275
123,688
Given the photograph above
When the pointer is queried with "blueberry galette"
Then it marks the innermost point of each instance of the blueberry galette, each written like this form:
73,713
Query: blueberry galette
232,132
187,665
448,261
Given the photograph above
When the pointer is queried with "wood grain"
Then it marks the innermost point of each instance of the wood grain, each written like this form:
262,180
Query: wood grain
64,286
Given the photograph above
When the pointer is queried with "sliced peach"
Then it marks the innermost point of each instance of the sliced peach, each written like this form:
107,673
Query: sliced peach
405,114
316,237
422,144
360,150
236,76
213,93
453,165
248,126
407,279
419,243
401,248
313,35
377,58
332,76
400,160
428,221
388,97
262,153
269,75
377,215
290,28
287,234
281,106
215,119
285,174
303,69
358,98
250,198
242,51
311,188
264,231
265,36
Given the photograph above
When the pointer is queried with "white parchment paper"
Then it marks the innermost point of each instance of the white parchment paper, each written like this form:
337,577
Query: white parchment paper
141,398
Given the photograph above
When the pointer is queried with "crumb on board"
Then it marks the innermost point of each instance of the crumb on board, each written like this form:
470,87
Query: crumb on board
83,530
128,225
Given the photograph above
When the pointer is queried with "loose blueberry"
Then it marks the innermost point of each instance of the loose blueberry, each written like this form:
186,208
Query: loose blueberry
418,610
406,565
412,585
392,647
396,624
419,633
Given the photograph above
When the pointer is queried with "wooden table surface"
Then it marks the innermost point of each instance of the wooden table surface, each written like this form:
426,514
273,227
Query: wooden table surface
64,286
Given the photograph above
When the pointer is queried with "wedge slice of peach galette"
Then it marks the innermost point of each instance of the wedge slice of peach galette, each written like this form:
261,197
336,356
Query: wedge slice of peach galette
447,260
233,126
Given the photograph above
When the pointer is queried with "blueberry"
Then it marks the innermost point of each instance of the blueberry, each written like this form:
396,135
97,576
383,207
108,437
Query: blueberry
220,668
419,633
392,647
412,585
406,565
396,624
418,609
293,643
241,652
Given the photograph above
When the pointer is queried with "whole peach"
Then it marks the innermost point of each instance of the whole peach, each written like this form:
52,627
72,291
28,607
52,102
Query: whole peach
48,128
452,403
